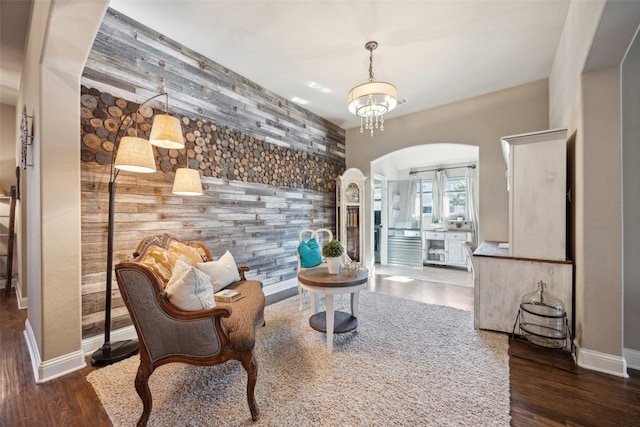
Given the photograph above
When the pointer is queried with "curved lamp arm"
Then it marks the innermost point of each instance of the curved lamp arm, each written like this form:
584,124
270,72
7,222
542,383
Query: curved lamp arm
140,159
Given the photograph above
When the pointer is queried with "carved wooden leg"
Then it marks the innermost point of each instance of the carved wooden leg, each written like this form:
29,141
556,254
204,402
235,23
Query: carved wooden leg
142,387
251,366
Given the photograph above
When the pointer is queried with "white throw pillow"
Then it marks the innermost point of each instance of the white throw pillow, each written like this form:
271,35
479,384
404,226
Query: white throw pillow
222,272
189,289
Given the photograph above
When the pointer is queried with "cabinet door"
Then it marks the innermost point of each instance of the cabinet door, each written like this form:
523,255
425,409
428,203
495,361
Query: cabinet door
455,252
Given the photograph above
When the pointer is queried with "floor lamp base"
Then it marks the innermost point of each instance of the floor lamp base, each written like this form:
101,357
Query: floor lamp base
120,350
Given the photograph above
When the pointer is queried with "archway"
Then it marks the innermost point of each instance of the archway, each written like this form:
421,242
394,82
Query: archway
414,165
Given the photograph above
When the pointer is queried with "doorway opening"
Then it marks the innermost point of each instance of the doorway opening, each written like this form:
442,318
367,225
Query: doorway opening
411,211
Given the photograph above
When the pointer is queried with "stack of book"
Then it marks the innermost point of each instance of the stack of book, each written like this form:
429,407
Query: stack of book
228,295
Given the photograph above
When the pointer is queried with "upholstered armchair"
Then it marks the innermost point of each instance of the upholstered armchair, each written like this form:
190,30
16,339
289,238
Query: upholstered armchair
168,334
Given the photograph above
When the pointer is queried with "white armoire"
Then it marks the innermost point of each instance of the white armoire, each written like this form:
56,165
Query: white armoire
537,247
537,184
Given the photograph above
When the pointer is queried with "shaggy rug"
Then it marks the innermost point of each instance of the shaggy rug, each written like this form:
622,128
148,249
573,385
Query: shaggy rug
407,364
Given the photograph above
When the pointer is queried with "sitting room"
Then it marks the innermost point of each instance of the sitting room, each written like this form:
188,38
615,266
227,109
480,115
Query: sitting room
253,124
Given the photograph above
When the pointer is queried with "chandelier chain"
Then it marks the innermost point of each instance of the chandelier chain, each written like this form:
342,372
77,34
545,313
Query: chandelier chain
371,64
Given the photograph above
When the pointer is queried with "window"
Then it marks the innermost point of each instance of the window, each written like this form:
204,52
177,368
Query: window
455,197
427,196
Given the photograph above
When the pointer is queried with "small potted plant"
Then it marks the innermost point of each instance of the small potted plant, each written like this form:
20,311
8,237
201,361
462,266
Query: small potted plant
332,251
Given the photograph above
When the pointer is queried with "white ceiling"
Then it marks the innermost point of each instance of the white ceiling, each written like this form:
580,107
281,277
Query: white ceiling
434,51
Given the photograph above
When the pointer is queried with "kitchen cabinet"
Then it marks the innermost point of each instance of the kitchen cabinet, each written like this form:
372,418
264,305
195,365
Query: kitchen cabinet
405,250
446,248
349,212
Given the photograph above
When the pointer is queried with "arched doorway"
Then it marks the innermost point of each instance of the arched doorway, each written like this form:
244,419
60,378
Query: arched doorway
414,168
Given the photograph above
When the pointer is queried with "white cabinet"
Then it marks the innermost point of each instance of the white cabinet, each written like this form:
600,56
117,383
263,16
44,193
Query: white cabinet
434,251
537,184
349,212
446,248
501,281
456,254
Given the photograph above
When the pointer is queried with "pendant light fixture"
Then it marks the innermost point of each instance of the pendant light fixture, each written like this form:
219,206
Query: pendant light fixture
371,100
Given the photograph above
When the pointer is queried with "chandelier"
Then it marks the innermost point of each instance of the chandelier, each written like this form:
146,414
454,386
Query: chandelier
371,100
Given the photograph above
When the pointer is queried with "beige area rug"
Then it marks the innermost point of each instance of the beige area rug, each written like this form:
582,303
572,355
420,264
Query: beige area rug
408,364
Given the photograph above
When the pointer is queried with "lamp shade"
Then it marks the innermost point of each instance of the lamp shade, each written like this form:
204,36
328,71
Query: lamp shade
135,155
372,98
187,182
166,132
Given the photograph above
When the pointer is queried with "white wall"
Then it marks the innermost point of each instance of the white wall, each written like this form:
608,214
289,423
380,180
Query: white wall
60,37
631,199
480,122
585,98
602,234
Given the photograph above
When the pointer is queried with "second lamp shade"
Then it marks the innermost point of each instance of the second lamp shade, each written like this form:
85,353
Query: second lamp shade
187,182
166,132
135,155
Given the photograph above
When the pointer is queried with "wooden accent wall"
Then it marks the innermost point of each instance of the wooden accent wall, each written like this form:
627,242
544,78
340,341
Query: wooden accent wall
268,166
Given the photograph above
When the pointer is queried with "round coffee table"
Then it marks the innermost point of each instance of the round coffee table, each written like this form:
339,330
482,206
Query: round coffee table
318,280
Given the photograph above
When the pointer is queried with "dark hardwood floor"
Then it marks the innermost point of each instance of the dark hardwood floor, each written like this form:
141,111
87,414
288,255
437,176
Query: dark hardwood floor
546,389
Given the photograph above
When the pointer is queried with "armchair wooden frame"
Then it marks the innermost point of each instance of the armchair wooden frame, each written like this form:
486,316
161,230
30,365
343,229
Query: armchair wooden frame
168,334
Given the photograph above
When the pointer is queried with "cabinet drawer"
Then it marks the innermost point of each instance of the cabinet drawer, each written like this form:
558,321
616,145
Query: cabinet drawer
434,235
457,236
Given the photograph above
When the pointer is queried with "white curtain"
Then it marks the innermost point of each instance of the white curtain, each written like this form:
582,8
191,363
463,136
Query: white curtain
472,203
439,184
407,204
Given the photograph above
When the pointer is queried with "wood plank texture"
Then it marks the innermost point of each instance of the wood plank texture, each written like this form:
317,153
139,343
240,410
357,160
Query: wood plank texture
268,166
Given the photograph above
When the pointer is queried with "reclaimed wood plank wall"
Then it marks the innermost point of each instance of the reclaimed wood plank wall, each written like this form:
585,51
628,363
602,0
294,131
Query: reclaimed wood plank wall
268,166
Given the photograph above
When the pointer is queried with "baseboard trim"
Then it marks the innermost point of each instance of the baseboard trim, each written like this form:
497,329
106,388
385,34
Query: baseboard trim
22,301
602,362
15,285
632,357
54,368
281,286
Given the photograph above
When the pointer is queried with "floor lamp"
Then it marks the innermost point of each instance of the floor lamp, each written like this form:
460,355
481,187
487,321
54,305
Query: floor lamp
131,154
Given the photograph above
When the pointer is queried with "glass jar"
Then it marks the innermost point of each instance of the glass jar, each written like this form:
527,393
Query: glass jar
542,318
